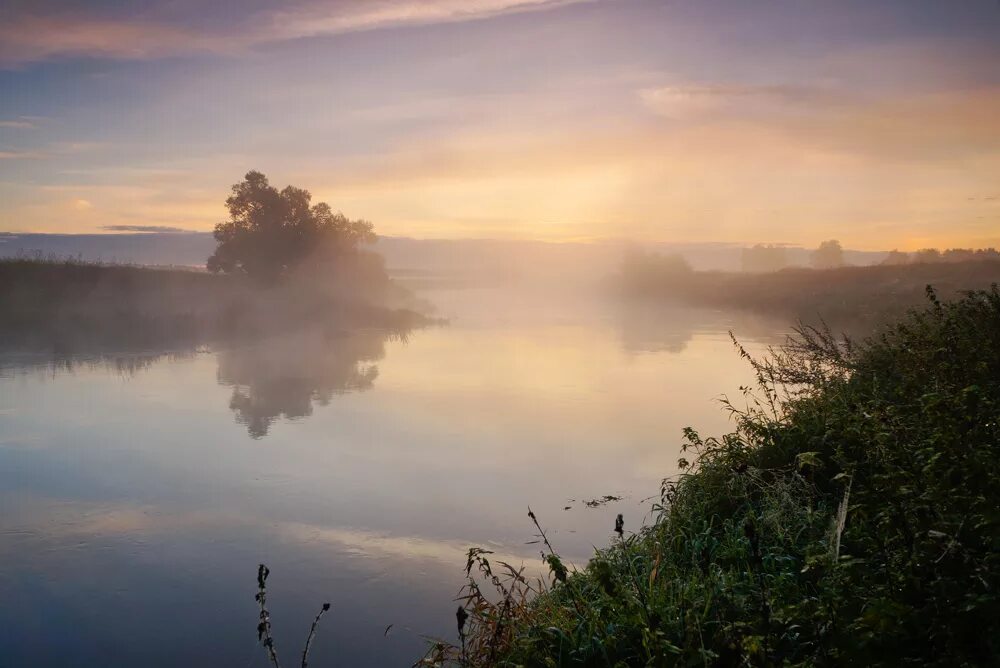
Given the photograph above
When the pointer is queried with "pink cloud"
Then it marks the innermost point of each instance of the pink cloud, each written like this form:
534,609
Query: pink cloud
34,38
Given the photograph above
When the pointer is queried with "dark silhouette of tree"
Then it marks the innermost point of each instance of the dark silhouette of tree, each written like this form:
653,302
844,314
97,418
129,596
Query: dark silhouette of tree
643,271
958,255
927,255
764,258
270,232
896,258
828,255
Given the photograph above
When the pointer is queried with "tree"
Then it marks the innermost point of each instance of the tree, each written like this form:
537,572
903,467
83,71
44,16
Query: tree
643,271
270,232
927,255
958,255
763,258
896,257
828,255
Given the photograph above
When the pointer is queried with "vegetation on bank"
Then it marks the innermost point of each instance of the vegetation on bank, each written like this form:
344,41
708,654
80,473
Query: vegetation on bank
852,518
285,264
841,294
71,306
274,234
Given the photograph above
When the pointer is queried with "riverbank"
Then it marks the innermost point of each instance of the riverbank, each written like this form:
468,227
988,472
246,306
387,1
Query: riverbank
71,306
851,518
866,295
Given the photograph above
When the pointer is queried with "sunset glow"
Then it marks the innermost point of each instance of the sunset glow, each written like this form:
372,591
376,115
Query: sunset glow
875,123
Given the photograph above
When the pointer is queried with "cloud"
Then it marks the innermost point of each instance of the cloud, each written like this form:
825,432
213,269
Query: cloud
65,147
320,19
685,102
109,519
34,38
21,155
143,228
21,123
886,165
51,149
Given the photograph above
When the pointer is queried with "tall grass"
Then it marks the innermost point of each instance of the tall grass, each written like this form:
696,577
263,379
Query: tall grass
851,518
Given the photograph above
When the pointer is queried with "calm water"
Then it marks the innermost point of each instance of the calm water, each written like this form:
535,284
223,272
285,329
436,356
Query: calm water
139,493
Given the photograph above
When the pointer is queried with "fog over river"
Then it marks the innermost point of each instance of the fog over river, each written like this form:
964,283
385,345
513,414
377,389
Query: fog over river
140,491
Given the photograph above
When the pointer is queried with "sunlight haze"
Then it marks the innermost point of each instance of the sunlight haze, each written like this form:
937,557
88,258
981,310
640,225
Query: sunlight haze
877,123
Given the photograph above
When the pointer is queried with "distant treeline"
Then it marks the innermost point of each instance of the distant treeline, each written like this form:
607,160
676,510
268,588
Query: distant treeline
855,294
948,255
830,254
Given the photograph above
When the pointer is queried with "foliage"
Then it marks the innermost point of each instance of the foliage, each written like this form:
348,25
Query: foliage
764,257
854,298
852,518
68,306
270,232
928,255
829,255
640,269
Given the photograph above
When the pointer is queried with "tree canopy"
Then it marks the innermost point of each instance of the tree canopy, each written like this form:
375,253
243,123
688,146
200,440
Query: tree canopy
828,255
269,232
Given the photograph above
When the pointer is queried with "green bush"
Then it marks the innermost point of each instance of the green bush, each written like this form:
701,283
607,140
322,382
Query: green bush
852,518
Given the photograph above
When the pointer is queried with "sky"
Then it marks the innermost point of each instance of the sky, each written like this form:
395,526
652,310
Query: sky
875,122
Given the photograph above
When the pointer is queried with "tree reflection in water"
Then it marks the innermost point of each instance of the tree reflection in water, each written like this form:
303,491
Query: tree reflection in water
284,377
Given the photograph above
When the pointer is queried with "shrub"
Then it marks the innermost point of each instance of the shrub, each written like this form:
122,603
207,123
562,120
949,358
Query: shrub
851,518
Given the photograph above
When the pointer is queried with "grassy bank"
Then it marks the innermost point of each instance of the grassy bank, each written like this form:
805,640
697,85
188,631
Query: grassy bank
852,518
852,294
71,306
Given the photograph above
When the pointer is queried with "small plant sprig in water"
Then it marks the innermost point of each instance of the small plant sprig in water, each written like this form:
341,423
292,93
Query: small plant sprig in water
491,618
264,625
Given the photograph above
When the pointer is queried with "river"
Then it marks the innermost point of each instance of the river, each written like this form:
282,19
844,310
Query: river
139,492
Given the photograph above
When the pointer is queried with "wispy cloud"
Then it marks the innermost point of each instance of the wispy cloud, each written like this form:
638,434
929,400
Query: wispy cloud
51,149
32,38
21,124
21,155
144,228
686,101
72,147
319,18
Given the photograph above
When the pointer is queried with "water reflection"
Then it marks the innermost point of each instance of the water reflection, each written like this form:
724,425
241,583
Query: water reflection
653,328
133,470
276,377
285,377
124,365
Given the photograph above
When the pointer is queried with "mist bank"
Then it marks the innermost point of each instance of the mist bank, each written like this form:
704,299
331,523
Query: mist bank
862,295
67,307
467,260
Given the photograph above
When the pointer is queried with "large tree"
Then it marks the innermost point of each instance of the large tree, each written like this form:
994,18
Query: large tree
270,232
